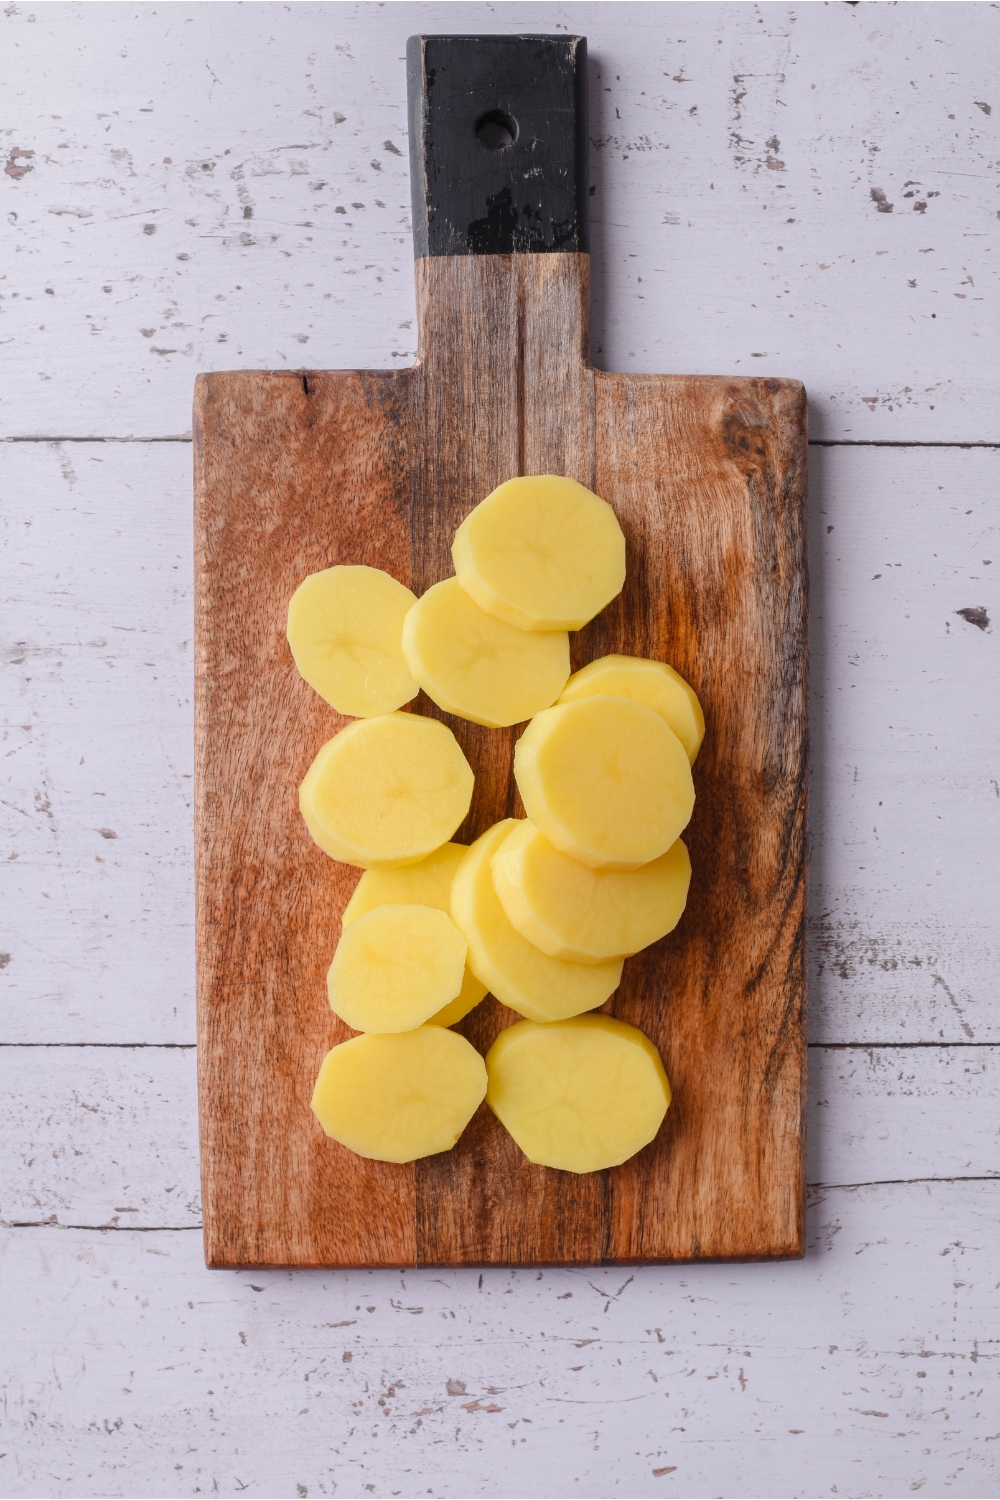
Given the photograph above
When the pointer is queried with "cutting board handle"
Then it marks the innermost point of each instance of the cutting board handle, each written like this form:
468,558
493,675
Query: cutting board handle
498,163
498,144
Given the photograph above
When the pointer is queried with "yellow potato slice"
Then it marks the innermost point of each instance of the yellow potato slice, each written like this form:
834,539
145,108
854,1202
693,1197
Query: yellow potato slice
386,792
581,1095
396,967
466,1000
605,780
425,884
587,916
401,1096
541,553
345,628
653,683
518,974
478,667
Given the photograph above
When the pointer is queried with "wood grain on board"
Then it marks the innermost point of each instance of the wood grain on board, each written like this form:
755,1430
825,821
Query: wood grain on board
297,472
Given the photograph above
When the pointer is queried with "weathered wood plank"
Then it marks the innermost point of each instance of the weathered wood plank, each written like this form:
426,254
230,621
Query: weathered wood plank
108,1135
100,1135
101,671
245,209
97,773
887,1114
871,1365
906,762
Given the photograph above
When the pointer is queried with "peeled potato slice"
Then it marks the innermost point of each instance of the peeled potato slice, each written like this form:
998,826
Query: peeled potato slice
396,967
581,1095
425,884
582,915
605,780
467,999
386,792
402,1096
345,626
518,974
541,553
653,683
478,667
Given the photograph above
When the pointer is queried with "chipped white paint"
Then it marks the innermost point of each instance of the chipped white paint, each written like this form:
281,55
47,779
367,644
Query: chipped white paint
743,160
100,1136
891,1114
98,761
870,1368
906,744
196,187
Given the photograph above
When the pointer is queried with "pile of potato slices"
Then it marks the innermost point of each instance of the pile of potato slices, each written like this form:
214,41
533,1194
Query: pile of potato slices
541,911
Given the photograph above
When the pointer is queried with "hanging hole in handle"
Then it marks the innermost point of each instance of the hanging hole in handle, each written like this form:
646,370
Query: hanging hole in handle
496,130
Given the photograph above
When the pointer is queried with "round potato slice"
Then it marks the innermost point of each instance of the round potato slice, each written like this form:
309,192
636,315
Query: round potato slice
395,968
587,916
402,1096
542,553
605,780
518,974
580,1095
653,683
425,884
386,792
468,997
477,666
345,628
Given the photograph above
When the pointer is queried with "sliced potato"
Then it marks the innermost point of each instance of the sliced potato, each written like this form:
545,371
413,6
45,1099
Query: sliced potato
345,628
580,1095
477,666
396,967
425,884
542,553
653,683
587,916
402,1096
468,997
386,792
605,780
518,974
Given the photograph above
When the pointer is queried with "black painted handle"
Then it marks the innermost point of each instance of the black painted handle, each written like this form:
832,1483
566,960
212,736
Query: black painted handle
498,144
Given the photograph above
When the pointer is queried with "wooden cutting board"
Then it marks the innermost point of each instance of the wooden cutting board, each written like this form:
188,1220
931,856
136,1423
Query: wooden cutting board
296,472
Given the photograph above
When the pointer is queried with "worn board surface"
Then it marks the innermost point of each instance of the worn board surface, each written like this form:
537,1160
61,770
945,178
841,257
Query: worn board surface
295,473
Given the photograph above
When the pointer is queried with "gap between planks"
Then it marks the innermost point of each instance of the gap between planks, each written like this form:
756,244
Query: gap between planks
132,1046
103,1228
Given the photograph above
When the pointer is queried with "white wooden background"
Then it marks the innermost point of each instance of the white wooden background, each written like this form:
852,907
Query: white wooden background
190,187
